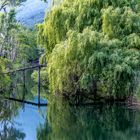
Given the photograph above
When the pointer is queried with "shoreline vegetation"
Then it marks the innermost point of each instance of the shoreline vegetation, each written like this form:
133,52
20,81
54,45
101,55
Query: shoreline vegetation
93,48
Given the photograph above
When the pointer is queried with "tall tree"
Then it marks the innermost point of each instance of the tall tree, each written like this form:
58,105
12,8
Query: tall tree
93,48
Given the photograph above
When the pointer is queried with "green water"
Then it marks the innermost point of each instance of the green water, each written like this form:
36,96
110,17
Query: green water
98,122
60,121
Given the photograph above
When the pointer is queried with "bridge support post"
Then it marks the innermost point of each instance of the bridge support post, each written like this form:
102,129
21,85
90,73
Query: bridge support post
39,85
24,86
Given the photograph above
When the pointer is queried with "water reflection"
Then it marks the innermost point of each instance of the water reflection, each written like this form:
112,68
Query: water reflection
7,128
59,121
23,87
18,121
100,122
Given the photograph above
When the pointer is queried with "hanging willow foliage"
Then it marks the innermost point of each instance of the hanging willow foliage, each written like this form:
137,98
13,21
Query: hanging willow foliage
93,47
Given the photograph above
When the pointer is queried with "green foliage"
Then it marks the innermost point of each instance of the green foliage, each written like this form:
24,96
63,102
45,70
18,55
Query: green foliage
43,77
4,79
121,22
92,47
17,45
8,29
100,15
27,46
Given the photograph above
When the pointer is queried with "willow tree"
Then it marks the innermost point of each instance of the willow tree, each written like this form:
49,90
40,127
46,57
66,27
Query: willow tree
93,47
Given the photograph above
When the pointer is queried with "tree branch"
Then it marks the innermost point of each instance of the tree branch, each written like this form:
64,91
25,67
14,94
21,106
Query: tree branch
5,3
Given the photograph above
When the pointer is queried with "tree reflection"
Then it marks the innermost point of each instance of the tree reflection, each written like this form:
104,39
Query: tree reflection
10,133
7,126
99,122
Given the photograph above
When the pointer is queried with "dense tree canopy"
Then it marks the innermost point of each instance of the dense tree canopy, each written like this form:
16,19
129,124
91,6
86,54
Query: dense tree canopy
93,47
18,45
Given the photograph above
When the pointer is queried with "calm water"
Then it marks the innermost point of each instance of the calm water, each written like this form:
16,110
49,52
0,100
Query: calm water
59,121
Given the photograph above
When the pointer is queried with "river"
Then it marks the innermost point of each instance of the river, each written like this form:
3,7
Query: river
60,121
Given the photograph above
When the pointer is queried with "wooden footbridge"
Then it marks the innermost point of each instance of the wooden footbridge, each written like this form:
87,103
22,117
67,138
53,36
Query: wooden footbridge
24,70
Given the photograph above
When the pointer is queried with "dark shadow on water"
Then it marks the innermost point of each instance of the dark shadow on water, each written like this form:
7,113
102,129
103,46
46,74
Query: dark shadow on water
60,121
99,122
